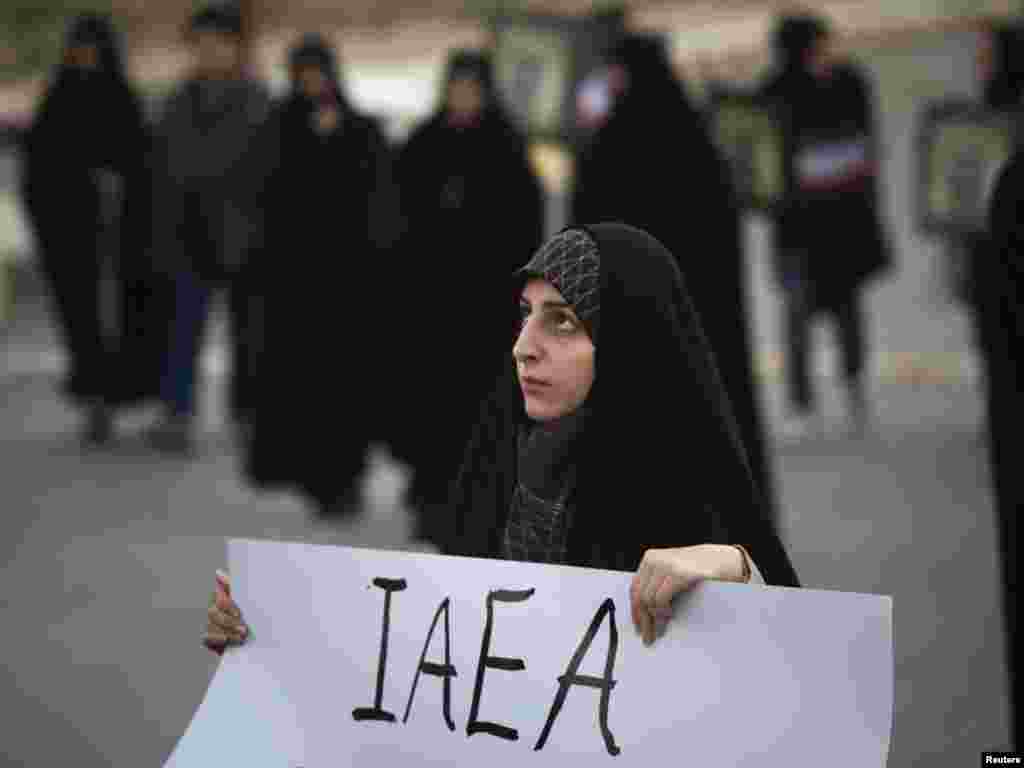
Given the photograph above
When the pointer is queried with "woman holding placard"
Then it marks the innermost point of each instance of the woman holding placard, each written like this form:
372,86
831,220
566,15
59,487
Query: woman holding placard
628,460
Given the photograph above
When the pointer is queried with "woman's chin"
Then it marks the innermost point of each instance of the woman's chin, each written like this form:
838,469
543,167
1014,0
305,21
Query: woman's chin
539,411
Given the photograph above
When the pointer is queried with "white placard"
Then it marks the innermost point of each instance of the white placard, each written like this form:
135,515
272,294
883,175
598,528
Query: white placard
745,675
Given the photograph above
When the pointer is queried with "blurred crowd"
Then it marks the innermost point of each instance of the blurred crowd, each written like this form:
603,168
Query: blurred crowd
359,277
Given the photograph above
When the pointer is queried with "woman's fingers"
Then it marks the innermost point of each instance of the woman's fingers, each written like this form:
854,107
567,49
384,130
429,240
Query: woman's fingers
636,595
225,622
223,581
215,643
226,604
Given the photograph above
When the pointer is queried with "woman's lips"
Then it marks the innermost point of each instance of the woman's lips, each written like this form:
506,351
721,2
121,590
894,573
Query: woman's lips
533,386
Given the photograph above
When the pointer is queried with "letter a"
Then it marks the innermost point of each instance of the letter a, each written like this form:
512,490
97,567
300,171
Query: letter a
446,670
605,683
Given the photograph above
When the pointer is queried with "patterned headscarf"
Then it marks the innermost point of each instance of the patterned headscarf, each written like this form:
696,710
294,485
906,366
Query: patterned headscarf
571,263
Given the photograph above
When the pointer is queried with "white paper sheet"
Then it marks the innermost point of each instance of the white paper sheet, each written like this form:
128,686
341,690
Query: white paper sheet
777,677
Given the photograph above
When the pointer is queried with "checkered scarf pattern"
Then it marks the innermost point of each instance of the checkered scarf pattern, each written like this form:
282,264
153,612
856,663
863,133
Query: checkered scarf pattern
571,263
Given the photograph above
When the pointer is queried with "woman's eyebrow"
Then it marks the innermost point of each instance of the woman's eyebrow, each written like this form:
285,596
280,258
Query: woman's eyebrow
550,304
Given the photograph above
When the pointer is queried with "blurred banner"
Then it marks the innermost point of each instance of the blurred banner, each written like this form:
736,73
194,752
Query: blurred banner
750,137
962,148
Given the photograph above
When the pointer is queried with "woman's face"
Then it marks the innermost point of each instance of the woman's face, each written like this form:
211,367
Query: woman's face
85,57
554,354
465,97
216,54
821,57
312,81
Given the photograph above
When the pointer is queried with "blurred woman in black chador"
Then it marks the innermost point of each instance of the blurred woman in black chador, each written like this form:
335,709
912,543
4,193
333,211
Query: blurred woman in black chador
85,188
606,442
1001,305
655,133
1000,60
829,239
463,175
322,287
995,290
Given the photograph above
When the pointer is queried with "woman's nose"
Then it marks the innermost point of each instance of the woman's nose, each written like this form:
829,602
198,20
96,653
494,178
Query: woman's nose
526,348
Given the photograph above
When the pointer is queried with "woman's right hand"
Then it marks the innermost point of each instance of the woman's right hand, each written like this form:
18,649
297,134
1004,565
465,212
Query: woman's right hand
224,625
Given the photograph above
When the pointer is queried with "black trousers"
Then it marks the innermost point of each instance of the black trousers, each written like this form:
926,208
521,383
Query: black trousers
75,278
802,306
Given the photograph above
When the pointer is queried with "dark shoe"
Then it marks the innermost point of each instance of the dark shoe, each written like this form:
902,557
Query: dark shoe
99,426
339,508
858,412
172,436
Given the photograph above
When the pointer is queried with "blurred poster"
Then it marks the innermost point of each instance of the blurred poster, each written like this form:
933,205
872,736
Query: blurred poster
750,137
534,67
962,149
548,65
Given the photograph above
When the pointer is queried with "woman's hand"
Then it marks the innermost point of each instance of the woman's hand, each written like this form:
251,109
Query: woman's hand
665,573
224,625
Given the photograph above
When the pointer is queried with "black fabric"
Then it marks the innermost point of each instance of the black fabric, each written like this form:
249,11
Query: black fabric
203,139
471,64
1001,310
224,18
655,135
831,238
1005,88
660,464
848,321
569,261
85,183
324,305
98,30
473,212
314,50
540,515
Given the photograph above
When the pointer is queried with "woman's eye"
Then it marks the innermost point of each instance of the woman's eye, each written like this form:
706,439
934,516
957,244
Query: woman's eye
565,324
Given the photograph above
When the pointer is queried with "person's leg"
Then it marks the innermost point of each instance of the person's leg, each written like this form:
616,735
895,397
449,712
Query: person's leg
240,316
797,324
181,367
850,326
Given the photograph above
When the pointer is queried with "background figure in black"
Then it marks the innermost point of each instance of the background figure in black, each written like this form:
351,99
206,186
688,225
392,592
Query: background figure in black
654,134
463,176
85,190
1000,300
1001,70
325,291
206,221
828,235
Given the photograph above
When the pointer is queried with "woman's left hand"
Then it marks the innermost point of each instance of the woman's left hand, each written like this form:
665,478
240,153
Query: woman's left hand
665,573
